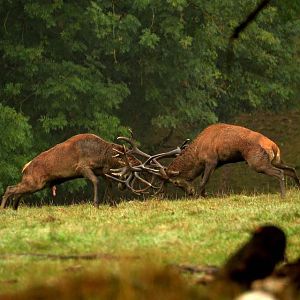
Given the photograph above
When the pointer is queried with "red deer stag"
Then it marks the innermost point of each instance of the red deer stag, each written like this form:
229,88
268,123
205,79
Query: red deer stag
81,156
220,144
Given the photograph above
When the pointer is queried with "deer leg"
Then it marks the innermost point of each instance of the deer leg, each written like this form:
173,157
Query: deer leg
274,172
277,173
17,201
289,171
26,190
209,168
17,191
109,194
105,194
89,174
108,197
259,161
9,193
202,192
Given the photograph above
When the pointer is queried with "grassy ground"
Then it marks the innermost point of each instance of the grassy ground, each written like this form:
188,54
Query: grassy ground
155,232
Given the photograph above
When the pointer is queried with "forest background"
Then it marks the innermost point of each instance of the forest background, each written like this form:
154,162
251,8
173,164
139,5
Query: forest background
157,67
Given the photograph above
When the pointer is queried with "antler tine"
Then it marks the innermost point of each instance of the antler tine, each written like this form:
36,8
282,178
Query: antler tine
120,172
118,151
131,132
127,162
160,156
184,145
126,158
154,158
131,179
168,154
126,182
142,179
149,184
134,148
151,165
143,191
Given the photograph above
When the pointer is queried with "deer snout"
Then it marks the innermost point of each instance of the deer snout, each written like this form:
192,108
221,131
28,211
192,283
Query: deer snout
191,190
183,184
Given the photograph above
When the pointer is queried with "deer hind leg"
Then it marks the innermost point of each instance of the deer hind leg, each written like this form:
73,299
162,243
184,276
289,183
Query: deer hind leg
277,173
17,201
14,193
89,174
259,161
19,190
9,193
288,171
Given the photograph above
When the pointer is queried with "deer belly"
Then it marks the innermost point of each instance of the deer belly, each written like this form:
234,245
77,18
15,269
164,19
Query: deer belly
230,158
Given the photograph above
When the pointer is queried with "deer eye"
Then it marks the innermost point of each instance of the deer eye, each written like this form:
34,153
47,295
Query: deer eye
176,182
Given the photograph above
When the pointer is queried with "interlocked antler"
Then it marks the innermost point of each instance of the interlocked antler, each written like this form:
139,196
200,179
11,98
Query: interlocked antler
120,173
130,173
151,165
153,158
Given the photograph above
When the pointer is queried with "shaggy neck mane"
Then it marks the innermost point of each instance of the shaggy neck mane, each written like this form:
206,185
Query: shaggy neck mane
183,160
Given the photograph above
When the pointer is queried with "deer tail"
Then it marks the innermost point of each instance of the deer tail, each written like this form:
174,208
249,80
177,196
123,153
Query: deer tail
25,166
276,159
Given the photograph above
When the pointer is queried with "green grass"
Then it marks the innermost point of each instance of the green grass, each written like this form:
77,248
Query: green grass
158,232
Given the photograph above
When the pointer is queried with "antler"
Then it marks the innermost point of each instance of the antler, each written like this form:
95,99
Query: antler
155,157
150,165
121,172
126,182
132,171
134,149
184,144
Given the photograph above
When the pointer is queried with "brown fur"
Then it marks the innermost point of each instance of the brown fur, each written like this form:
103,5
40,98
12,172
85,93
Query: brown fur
221,144
81,156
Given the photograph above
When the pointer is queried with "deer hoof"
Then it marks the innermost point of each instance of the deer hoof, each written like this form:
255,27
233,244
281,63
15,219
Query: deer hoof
113,204
96,205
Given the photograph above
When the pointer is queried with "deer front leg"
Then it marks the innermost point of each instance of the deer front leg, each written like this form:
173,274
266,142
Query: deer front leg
108,193
209,168
89,174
